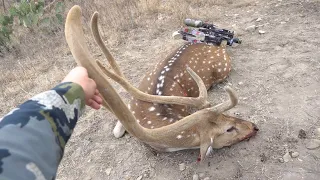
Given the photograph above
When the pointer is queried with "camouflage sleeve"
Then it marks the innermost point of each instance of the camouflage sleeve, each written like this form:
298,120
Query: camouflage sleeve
33,136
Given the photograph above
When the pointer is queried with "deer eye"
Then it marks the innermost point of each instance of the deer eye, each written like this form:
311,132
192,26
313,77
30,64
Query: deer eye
232,128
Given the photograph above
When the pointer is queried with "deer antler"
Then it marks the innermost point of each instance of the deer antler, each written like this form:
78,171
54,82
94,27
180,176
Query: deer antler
75,39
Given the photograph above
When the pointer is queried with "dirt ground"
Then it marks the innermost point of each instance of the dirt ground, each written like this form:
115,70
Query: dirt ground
276,73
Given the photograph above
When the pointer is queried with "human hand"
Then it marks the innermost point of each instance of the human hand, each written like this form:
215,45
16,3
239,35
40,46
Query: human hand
80,76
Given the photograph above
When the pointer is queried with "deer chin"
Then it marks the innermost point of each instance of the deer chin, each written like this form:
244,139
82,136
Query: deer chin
247,137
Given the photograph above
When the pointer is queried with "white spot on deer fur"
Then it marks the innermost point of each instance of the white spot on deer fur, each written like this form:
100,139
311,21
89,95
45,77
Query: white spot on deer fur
138,120
158,114
152,108
129,106
182,109
162,72
211,140
226,64
161,78
224,69
149,88
208,69
171,89
133,112
179,136
165,118
167,69
148,79
181,74
149,122
171,120
209,51
136,104
219,64
219,70
211,57
151,83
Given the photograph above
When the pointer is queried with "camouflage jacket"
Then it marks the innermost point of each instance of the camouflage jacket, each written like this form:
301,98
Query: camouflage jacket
33,135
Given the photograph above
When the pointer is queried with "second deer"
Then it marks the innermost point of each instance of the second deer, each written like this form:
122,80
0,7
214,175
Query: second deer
158,114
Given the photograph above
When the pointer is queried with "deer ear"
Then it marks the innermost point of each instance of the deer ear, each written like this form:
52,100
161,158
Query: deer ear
206,145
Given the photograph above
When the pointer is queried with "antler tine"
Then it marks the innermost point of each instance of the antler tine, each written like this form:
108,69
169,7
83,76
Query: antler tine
200,102
225,106
106,52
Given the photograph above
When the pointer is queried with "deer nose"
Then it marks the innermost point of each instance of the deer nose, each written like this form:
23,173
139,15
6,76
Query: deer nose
255,127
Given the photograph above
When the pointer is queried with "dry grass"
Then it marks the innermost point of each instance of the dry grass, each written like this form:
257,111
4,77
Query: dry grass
37,60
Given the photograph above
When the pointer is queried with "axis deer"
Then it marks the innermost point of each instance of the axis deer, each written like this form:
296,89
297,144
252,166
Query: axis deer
158,113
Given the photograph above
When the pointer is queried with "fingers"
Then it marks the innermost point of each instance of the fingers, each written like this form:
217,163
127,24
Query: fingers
93,104
97,99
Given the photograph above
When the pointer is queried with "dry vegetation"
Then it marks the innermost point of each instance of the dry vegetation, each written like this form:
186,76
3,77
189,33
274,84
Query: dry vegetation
276,75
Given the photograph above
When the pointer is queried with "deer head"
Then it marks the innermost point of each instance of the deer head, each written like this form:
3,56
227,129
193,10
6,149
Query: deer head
158,113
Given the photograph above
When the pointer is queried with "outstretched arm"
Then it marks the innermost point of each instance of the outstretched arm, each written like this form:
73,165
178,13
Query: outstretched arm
33,136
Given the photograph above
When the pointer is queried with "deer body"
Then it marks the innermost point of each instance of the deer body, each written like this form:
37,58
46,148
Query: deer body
170,78
158,114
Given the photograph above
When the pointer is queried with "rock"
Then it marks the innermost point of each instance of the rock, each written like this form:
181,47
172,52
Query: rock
195,177
237,113
259,19
240,83
313,144
108,171
139,178
262,32
302,134
201,175
317,132
281,160
283,22
206,178
251,28
182,166
286,157
294,154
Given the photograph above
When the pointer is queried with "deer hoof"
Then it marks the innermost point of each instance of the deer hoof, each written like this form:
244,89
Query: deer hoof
119,130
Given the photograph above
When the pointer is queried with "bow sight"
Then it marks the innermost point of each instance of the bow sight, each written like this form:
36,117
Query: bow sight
199,31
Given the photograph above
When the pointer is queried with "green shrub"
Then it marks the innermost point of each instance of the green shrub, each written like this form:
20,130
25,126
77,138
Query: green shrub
30,15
